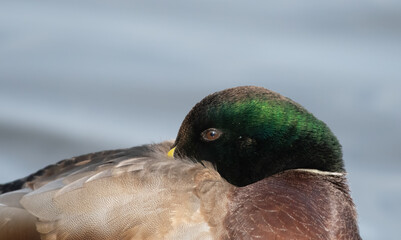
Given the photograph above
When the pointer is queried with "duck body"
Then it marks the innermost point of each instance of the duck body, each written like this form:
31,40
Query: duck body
140,193
156,197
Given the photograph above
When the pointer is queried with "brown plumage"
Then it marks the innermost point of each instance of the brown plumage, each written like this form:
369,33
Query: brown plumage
295,204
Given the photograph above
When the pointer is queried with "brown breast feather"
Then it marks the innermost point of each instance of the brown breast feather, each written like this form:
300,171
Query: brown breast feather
295,204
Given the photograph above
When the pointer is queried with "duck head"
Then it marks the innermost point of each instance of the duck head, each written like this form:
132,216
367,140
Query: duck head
250,133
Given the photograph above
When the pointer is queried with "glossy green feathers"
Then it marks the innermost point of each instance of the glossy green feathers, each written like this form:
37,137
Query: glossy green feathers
263,133
282,121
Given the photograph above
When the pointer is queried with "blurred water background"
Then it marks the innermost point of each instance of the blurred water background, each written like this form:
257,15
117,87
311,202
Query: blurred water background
83,76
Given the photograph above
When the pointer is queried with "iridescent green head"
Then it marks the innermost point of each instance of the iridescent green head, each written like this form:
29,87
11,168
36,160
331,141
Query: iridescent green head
250,133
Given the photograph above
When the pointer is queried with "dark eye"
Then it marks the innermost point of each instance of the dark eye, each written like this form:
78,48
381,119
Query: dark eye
211,134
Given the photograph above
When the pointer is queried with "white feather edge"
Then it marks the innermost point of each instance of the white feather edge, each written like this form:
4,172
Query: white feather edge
315,171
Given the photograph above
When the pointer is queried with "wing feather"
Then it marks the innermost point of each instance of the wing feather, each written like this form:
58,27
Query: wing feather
15,221
133,198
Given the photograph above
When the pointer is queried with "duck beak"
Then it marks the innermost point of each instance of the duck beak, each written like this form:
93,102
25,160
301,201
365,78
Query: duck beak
170,153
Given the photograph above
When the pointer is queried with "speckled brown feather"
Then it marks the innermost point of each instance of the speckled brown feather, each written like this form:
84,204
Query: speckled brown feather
63,167
15,222
147,197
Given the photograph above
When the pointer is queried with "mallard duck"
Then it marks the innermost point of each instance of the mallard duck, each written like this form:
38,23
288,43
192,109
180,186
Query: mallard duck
247,163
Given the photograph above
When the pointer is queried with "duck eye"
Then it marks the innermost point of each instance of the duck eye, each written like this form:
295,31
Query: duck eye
211,134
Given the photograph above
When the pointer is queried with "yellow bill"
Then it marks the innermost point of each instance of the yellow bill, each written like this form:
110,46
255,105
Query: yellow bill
171,153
